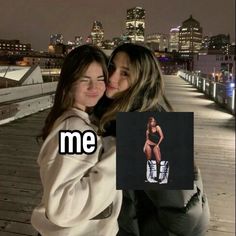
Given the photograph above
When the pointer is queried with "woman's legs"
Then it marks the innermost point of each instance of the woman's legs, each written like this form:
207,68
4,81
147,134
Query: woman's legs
157,154
148,152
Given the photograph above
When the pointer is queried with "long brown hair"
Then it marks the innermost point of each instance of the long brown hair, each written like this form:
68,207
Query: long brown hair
146,89
74,66
149,127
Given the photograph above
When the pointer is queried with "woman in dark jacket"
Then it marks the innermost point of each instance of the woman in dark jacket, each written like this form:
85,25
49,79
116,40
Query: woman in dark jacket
136,84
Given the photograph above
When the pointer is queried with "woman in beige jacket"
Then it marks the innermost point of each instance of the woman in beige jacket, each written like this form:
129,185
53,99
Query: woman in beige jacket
79,194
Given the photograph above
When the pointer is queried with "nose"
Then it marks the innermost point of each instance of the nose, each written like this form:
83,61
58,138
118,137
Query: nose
92,85
114,78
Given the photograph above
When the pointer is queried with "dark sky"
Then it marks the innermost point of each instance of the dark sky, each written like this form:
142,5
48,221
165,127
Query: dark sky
32,21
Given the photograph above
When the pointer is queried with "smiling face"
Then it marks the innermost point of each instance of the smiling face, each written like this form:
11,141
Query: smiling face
119,74
89,88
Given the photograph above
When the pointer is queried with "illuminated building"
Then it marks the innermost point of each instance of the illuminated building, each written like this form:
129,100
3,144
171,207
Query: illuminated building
158,41
190,37
205,42
78,40
220,42
174,39
14,46
135,24
97,33
56,39
120,40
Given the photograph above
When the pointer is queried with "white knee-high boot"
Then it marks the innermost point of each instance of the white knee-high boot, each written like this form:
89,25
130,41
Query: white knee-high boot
151,172
164,172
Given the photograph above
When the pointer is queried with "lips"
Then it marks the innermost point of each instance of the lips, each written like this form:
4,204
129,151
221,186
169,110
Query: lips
92,94
111,87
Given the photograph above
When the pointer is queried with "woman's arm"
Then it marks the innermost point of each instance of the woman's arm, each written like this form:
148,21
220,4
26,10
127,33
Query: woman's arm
79,187
161,134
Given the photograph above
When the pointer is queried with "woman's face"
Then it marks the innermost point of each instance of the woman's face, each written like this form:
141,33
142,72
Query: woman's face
119,74
89,88
153,122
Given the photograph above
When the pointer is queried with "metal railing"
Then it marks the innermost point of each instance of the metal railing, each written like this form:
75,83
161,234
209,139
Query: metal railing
221,93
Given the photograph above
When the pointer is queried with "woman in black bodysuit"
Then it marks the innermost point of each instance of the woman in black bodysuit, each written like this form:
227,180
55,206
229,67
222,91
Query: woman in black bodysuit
154,137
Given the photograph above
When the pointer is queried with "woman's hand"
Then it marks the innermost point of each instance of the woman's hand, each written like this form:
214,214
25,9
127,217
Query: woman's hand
157,146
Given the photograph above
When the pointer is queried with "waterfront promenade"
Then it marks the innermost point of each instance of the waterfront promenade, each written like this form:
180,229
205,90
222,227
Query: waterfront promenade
20,188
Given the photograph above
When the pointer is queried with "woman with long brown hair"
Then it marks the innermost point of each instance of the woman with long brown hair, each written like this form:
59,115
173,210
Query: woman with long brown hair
136,85
79,195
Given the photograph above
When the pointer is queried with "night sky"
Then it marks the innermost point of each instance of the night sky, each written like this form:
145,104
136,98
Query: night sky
32,21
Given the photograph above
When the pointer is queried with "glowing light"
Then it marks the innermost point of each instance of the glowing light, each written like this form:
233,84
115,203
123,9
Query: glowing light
233,97
232,85
214,90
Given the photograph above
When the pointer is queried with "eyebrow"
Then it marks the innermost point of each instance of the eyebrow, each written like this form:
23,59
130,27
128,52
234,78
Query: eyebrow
123,67
89,77
113,64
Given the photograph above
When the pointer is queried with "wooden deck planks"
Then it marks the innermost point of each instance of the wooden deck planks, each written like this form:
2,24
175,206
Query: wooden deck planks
20,187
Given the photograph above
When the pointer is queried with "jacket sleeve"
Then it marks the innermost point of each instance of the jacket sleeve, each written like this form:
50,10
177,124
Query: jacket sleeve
76,188
183,212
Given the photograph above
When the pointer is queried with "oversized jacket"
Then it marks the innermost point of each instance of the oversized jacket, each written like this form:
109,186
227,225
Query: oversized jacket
161,212
79,192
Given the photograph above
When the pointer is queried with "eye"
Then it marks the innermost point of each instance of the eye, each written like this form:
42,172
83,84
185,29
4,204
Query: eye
84,79
124,73
101,79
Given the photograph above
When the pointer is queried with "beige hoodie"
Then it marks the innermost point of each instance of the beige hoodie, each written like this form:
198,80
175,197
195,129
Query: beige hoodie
80,196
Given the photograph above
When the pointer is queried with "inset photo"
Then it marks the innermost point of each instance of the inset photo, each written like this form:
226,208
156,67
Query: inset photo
155,150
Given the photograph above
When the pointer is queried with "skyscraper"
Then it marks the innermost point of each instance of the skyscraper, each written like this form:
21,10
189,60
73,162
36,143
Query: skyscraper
135,24
97,33
190,37
174,39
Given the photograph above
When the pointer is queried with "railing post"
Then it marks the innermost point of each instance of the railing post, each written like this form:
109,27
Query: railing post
214,90
233,101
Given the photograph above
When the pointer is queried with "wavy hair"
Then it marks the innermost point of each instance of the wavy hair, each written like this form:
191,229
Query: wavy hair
146,87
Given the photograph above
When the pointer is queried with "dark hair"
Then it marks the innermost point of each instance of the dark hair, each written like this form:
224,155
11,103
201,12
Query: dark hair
149,127
75,64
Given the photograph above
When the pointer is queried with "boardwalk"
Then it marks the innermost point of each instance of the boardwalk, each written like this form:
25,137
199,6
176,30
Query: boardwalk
214,141
20,188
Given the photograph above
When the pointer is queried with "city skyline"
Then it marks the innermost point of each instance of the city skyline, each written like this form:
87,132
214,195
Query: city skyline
34,21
